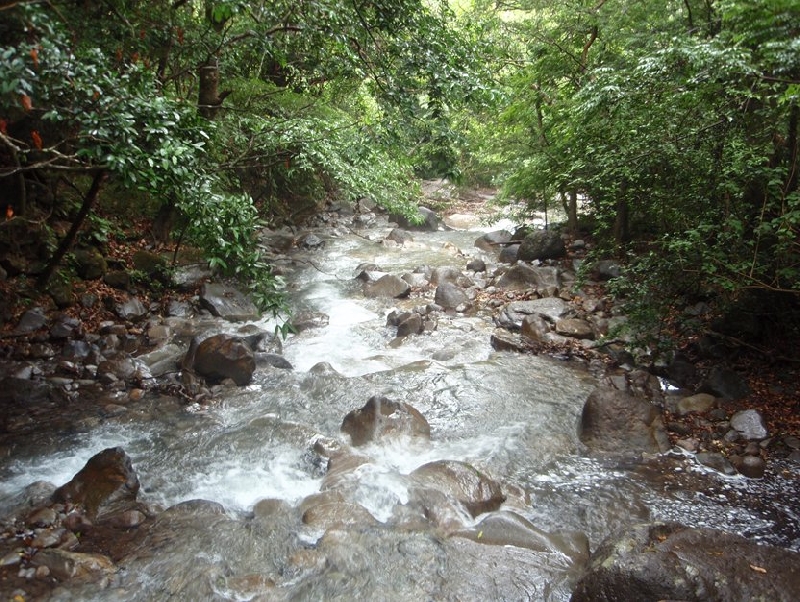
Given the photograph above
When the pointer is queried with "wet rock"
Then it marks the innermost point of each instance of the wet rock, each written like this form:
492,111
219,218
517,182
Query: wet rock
450,296
616,421
535,327
410,324
305,320
541,244
749,424
504,528
493,241
753,467
474,490
726,383
399,236
574,328
42,517
502,340
227,302
107,483
716,462
338,515
388,285
673,562
222,356
476,265
274,360
381,417
132,310
310,242
65,565
449,274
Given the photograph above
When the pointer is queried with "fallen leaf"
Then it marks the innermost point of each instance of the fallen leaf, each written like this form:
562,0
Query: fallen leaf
37,139
758,569
26,102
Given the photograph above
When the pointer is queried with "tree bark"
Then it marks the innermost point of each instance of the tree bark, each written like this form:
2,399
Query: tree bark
88,202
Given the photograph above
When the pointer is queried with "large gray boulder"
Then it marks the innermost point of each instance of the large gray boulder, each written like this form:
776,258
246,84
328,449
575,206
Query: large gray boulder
450,296
551,309
541,244
228,302
616,421
673,562
494,241
388,285
522,276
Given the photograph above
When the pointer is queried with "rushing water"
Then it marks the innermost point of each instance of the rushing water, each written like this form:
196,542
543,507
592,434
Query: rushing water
512,416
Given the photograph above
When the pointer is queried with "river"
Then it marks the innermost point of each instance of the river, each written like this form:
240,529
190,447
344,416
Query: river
513,417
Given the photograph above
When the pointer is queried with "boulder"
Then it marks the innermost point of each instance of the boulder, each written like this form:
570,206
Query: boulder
63,565
106,484
410,324
616,421
89,263
726,383
31,321
388,285
509,253
551,309
673,562
502,340
426,220
474,490
381,417
222,356
541,244
450,296
522,276
131,309
749,424
493,241
702,402
228,302
575,328
155,266
535,327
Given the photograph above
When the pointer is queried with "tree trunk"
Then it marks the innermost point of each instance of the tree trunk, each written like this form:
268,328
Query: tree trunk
88,202
209,98
572,211
621,233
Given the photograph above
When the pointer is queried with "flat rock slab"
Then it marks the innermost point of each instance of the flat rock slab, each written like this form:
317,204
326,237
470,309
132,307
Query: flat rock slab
228,302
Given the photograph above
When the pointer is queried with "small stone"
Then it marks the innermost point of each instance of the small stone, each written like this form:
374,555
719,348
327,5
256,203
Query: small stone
752,467
791,442
691,445
12,558
43,517
716,462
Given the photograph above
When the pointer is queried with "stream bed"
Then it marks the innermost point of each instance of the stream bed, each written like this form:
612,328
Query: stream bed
513,417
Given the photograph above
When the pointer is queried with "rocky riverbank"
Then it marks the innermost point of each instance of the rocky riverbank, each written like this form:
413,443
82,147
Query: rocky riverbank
117,356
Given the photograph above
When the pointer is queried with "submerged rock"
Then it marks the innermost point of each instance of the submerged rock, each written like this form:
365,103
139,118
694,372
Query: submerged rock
616,421
477,492
381,417
106,484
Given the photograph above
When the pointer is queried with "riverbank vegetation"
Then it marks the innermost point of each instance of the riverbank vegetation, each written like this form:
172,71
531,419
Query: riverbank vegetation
669,130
